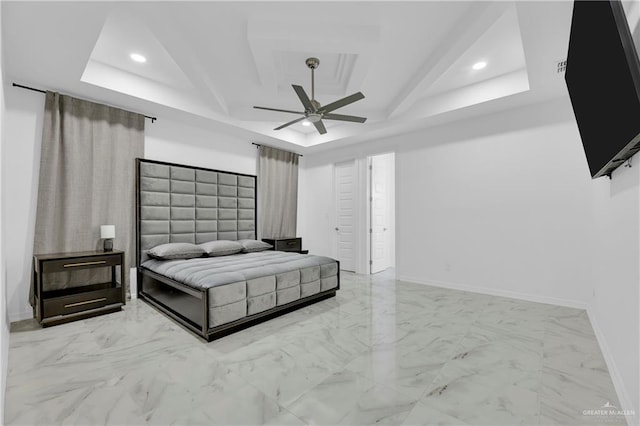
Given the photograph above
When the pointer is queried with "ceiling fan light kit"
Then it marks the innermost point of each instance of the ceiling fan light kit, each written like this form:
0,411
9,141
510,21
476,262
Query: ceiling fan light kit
314,112
314,118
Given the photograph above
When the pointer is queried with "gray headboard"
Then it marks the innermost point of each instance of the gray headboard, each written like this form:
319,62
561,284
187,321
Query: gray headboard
178,203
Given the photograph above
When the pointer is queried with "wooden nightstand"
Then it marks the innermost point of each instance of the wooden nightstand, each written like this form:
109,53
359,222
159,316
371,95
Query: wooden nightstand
286,244
78,302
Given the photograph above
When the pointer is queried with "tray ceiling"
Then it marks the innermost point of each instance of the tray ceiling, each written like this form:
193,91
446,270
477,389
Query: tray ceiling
214,61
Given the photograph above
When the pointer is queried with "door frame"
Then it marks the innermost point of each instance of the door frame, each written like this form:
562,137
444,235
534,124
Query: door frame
369,211
362,217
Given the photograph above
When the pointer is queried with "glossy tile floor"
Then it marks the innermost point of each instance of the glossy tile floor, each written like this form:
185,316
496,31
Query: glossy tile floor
382,351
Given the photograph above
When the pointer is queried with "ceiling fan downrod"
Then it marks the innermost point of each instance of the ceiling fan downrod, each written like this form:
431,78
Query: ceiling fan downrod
313,63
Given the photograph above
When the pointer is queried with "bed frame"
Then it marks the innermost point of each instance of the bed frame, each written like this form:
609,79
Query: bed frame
174,212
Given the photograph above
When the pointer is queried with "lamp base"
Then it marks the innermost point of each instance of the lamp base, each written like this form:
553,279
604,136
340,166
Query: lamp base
108,244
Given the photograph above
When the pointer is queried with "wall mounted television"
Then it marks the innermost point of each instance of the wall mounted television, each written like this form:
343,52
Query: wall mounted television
603,80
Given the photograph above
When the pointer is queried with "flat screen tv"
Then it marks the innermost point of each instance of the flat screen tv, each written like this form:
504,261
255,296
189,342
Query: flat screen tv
603,80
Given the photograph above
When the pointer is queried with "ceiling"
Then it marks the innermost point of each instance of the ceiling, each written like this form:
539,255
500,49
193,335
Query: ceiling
213,61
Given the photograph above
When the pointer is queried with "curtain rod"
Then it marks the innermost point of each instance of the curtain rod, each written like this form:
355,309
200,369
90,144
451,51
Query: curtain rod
153,119
258,145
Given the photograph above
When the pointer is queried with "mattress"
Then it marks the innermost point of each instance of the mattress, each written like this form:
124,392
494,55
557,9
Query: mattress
206,272
240,285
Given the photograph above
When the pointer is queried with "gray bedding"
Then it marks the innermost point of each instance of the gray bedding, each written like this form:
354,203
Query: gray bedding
207,272
239,285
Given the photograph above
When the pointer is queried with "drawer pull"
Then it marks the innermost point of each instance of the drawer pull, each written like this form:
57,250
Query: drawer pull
73,265
86,302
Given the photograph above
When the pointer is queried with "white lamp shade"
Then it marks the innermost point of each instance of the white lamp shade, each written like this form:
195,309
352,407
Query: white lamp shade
107,231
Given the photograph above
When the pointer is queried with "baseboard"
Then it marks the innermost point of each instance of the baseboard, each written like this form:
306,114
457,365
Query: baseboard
626,404
497,292
19,316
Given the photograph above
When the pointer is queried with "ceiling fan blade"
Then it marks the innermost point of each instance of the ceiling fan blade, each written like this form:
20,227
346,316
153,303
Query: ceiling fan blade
320,127
341,117
342,102
280,110
306,102
290,123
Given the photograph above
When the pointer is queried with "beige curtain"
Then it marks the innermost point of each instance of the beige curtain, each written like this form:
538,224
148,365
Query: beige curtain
87,179
277,193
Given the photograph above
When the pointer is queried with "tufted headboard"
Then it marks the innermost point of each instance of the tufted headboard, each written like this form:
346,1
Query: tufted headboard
178,203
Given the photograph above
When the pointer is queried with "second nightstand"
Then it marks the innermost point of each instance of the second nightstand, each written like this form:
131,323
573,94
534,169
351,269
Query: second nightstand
286,244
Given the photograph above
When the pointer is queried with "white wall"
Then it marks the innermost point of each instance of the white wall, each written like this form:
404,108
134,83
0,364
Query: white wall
614,306
504,204
171,141
4,320
507,213
165,140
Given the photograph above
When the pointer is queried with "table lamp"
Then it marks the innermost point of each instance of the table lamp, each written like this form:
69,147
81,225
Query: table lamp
108,233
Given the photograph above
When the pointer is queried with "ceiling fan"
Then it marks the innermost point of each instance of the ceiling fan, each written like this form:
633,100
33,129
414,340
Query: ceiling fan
313,111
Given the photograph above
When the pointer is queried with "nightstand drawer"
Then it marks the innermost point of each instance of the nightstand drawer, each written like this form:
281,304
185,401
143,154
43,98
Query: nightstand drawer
80,263
81,302
285,244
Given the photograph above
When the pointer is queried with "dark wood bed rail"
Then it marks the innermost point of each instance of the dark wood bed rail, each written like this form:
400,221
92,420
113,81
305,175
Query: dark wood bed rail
179,308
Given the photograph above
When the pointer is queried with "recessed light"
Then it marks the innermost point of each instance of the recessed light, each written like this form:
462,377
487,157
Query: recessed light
138,58
479,65
306,123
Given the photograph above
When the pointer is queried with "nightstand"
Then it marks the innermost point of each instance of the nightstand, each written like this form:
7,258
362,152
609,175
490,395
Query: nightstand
59,306
286,244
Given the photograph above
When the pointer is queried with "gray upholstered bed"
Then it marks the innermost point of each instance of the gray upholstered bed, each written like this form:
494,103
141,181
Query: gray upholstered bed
217,295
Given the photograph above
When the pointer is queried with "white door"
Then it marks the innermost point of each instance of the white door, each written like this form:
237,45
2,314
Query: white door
380,211
344,178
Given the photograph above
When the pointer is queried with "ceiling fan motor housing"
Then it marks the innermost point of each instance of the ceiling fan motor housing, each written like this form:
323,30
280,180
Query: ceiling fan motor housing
313,63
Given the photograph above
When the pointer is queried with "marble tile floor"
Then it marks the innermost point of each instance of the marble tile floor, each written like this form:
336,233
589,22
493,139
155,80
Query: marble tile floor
382,351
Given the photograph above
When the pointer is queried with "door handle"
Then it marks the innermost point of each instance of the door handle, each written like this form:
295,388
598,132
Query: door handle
337,228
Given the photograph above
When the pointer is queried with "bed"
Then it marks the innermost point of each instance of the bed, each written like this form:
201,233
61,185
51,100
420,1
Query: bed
215,296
